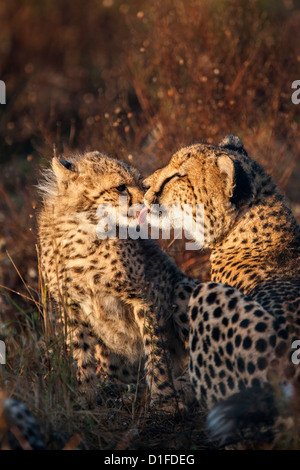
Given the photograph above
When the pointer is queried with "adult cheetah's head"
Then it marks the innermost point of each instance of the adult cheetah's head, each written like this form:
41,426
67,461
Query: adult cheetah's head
221,177
81,184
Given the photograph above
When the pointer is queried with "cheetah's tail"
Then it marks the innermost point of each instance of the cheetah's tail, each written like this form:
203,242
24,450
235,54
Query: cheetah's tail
17,415
242,413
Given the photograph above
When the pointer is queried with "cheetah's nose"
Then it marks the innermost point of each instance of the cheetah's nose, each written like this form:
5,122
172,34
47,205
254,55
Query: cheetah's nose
143,214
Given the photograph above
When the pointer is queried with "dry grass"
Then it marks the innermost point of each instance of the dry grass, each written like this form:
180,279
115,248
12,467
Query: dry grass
136,80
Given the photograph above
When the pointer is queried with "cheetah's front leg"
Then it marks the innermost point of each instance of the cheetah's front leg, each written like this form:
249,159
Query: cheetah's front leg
84,342
158,361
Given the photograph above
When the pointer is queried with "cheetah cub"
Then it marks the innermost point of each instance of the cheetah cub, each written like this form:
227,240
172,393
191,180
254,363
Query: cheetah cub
125,300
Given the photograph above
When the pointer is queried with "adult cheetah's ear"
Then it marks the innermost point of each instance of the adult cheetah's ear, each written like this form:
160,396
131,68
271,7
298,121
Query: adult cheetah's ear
226,167
233,142
237,184
63,170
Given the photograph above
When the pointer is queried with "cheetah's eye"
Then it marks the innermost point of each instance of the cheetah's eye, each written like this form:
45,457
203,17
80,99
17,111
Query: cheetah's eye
121,188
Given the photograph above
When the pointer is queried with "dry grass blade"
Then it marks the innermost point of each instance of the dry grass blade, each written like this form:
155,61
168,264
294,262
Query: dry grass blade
73,442
21,439
20,294
37,304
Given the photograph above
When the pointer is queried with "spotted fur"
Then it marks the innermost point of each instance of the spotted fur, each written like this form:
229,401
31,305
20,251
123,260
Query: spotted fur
125,300
244,323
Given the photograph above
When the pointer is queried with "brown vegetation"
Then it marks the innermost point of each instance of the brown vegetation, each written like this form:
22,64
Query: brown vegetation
137,80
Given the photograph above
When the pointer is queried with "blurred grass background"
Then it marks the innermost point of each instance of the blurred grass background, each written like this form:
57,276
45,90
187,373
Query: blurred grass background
136,80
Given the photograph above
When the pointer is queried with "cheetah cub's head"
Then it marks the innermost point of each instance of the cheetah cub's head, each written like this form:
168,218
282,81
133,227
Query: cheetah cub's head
81,184
213,179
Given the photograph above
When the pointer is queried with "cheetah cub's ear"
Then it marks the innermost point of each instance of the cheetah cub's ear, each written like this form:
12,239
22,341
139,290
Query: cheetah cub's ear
63,171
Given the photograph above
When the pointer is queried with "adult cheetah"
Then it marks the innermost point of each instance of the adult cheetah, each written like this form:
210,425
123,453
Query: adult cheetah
125,300
243,324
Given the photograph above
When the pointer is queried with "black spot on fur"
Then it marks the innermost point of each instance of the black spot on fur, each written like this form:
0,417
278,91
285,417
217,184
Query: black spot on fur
194,312
207,380
183,318
216,333
261,345
211,298
244,323
235,318
261,327
217,359
229,365
232,303
222,388
262,363
194,343
250,367
229,348
241,364
217,312
247,343
230,383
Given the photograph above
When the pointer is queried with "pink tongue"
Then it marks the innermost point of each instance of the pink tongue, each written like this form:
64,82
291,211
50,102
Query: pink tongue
143,215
